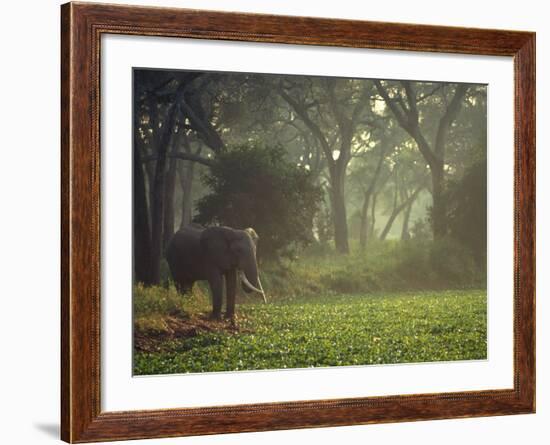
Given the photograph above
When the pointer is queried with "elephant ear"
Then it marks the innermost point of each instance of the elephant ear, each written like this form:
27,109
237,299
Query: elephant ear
216,241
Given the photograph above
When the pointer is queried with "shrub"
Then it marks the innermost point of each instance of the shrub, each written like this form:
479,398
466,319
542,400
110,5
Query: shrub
255,186
386,266
467,211
454,263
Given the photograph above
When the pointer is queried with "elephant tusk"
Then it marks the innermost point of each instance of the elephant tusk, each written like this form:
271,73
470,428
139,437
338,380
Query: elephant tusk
252,287
249,284
262,289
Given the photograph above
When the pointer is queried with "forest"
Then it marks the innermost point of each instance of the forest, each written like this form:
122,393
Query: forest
368,197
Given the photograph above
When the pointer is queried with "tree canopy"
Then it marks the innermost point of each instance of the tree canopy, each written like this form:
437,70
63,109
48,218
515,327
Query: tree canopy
337,161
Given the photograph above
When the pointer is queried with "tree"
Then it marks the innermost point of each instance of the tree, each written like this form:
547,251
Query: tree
371,170
144,118
346,135
255,186
159,190
170,106
408,180
407,200
142,230
403,100
467,211
333,110
466,193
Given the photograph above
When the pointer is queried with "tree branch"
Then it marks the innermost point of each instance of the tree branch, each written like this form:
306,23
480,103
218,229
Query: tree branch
309,123
401,118
431,93
410,125
183,156
207,133
411,100
448,118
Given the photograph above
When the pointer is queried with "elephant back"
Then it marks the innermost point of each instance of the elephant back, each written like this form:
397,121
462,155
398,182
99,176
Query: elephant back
184,247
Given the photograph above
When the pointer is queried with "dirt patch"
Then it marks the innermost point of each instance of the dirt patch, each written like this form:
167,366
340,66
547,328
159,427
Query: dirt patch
175,327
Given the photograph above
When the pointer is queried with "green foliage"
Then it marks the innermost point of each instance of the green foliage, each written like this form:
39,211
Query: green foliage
151,306
391,265
334,331
388,266
155,300
255,186
467,210
422,230
453,262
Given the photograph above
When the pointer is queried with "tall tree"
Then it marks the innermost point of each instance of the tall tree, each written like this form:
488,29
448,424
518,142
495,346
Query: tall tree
404,102
169,189
174,107
333,117
406,202
144,133
142,230
159,191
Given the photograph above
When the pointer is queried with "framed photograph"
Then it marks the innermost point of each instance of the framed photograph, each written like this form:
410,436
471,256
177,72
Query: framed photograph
274,222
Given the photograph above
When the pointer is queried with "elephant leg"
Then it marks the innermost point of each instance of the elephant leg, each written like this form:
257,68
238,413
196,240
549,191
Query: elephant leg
179,287
183,286
230,290
186,287
216,287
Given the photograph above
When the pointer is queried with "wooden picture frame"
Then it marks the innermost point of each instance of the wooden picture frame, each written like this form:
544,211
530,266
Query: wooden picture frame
82,26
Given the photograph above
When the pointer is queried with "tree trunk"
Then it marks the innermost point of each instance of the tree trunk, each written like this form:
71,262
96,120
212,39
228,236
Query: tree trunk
337,168
439,209
157,214
394,213
142,233
397,210
372,215
388,225
186,174
364,226
434,154
149,168
405,235
339,214
168,229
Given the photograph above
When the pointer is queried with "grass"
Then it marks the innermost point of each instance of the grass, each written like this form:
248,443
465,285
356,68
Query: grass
173,335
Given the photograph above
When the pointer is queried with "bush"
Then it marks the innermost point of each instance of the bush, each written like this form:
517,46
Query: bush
385,266
422,230
454,263
467,211
255,186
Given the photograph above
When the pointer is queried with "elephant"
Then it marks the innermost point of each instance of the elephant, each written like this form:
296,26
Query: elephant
215,254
